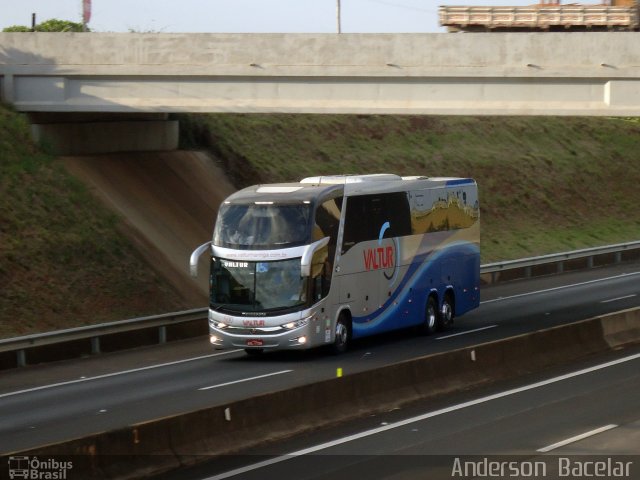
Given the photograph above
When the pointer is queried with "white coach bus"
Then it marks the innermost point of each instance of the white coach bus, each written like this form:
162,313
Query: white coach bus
334,258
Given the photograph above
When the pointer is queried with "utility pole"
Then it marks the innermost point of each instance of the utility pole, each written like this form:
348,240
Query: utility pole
339,27
86,14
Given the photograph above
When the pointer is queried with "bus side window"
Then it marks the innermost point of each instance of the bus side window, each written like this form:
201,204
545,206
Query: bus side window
398,213
320,274
327,222
355,224
321,286
367,214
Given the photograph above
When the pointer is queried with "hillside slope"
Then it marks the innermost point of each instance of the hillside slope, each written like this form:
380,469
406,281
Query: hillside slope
168,200
64,258
547,184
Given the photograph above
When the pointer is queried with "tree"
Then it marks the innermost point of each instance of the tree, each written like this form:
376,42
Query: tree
16,28
51,25
55,25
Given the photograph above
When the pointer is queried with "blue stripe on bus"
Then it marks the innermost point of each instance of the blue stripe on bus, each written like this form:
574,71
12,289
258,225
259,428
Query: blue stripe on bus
406,313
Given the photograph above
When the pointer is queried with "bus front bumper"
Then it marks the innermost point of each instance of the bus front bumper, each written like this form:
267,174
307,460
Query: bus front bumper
297,339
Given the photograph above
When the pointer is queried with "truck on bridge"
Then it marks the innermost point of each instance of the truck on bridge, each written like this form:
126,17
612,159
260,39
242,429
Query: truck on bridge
549,15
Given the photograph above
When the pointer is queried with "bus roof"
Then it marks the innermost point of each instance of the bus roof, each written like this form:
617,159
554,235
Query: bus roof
284,193
312,188
378,180
385,182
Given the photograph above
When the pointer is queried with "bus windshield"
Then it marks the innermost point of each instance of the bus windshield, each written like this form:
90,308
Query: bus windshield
240,286
262,226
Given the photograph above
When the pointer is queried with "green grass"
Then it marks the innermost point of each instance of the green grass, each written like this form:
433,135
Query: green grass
63,260
547,184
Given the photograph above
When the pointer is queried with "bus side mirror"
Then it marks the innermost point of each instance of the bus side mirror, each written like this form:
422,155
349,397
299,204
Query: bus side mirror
195,256
307,256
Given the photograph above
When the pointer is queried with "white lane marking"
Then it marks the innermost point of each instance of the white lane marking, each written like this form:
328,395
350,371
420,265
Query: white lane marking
577,438
114,374
562,287
468,331
98,377
419,418
619,298
246,380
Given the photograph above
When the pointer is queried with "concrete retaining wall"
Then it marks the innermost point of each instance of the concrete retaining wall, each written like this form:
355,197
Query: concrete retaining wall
107,137
152,447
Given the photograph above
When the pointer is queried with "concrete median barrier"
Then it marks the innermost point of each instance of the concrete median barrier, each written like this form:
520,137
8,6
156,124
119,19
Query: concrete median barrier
152,447
133,452
621,328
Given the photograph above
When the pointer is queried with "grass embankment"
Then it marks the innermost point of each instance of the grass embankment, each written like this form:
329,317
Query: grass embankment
547,184
63,260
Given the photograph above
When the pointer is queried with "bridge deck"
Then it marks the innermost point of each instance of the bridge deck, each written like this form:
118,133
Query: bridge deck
487,73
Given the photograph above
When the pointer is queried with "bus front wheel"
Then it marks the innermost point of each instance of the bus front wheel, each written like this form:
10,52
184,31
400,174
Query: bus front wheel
343,335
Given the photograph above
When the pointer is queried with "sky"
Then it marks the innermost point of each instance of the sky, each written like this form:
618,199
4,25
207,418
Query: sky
242,16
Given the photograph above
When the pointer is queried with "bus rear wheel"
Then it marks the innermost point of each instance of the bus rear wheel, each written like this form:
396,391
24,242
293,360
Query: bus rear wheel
343,335
431,317
447,312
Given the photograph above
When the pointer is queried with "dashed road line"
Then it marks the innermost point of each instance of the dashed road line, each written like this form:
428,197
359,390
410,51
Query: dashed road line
245,380
576,438
467,332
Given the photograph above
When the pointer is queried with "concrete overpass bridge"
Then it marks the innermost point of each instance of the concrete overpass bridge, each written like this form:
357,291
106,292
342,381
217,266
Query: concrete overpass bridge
431,74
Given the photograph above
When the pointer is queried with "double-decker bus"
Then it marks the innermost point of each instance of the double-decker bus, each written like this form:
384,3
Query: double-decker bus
335,258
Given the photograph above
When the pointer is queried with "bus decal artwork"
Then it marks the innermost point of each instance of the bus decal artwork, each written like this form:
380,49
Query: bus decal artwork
384,228
394,274
378,258
383,258
416,277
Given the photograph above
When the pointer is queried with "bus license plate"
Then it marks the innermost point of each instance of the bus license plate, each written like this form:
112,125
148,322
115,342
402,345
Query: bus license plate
255,343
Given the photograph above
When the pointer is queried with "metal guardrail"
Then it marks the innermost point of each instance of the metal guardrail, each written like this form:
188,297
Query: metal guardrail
559,259
93,333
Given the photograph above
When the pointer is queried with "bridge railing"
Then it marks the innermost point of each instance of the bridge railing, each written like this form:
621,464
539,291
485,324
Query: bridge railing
158,329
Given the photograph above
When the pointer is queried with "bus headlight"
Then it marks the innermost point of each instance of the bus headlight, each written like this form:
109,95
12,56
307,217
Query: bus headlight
293,325
220,325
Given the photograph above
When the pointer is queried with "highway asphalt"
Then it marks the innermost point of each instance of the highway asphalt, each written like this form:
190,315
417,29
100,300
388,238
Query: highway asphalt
44,404
554,422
